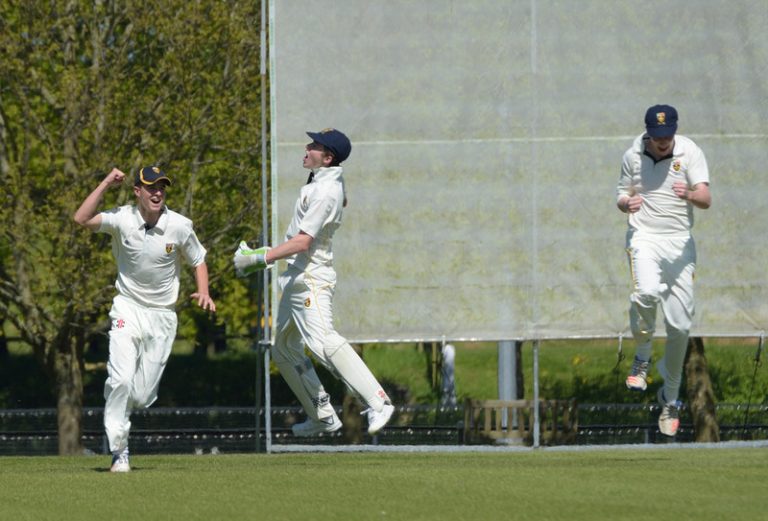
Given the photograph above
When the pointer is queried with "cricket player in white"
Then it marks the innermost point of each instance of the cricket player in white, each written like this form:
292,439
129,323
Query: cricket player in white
305,313
148,243
663,176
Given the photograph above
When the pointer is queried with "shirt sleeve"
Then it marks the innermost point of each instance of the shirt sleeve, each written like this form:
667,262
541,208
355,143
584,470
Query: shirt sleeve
109,221
698,172
320,212
624,188
193,250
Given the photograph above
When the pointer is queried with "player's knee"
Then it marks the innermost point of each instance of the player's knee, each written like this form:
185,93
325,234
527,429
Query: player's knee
641,335
333,343
646,298
284,351
678,331
279,354
119,384
143,400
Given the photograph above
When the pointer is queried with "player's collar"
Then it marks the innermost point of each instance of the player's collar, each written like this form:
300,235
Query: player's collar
328,173
159,225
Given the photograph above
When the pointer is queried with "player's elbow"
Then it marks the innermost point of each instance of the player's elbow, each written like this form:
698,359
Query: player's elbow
303,246
703,197
705,201
302,242
86,221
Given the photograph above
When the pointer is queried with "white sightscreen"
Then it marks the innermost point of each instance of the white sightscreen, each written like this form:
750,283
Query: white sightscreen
487,139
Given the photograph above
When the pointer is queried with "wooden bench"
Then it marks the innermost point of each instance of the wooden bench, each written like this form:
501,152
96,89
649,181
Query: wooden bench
512,422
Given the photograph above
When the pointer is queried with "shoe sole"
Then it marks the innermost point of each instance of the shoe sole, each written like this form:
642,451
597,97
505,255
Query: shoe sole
330,429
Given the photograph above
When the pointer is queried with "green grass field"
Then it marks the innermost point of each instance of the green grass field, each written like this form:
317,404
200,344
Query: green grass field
672,483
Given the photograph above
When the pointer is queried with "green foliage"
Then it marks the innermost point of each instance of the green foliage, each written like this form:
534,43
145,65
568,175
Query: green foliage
736,375
583,370
401,369
86,87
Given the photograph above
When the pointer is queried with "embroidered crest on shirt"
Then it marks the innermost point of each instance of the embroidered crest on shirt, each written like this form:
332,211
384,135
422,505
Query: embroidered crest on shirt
307,302
119,323
676,166
168,248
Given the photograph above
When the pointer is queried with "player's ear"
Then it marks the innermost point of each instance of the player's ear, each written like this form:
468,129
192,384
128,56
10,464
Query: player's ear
136,190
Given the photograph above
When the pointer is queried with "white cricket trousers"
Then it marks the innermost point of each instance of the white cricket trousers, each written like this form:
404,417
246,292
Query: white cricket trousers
305,317
662,271
140,343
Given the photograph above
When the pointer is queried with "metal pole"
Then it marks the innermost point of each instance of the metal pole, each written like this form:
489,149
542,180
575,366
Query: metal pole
259,376
507,377
267,335
536,419
267,402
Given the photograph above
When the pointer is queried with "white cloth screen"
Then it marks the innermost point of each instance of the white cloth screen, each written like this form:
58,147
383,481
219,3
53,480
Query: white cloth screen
486,144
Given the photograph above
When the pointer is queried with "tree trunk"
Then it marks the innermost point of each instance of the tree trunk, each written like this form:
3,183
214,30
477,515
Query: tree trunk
352,419
69,390
3,344
700,394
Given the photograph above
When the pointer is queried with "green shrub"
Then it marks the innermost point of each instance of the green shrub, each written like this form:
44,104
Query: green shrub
584,370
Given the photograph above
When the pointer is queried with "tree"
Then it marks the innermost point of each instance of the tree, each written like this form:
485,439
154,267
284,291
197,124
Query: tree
88,85
700,393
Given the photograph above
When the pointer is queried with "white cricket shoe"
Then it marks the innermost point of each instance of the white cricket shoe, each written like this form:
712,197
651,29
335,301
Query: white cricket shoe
120,462
669,419
638,375
378,419
311,427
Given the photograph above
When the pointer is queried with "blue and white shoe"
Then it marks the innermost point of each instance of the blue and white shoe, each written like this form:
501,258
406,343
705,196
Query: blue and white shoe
638,375
669,419
120,462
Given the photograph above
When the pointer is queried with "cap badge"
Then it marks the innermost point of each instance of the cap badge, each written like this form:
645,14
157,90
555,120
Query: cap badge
661,118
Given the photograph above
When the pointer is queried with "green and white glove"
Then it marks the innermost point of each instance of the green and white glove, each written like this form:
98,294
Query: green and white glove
248,261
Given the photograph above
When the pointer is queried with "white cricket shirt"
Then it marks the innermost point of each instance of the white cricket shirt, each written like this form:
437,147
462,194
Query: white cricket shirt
149,261
318,213
662,212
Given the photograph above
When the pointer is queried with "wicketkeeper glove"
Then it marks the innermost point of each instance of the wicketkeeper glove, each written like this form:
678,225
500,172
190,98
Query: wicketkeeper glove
248,261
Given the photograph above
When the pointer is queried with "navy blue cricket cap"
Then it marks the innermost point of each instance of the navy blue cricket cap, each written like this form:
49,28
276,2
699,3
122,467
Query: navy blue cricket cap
150,175
661,121
335,141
